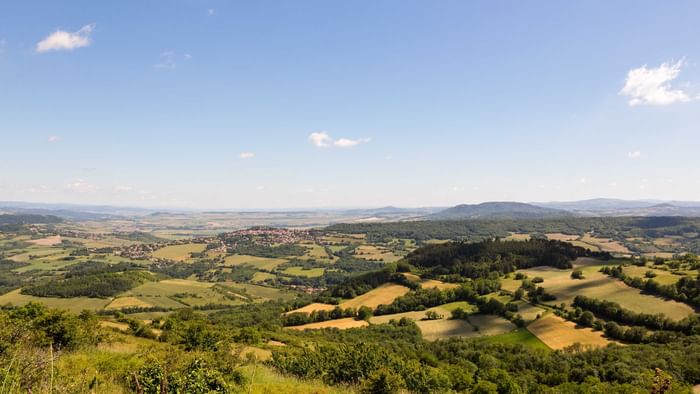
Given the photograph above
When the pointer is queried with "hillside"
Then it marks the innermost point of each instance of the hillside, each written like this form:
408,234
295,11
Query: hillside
498,210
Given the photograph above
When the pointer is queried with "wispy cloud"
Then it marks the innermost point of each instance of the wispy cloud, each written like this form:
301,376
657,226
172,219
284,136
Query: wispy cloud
66,41
211,12
52,139
123,188
246,155
169,59
652,86
582,180
634,154
81,186
321,139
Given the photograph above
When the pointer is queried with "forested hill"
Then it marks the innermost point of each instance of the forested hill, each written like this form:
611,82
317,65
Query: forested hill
498,210
480,229
15,219
479,260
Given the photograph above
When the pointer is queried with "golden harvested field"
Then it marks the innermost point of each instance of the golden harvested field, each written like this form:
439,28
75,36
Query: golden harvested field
372,252
313,307
593,248
511,284
491,324
606,244
384,294
115,325
48,241
127,302
561,237
253,261
341,324
433,330
179,252
432,283
597,285
76,304
558,333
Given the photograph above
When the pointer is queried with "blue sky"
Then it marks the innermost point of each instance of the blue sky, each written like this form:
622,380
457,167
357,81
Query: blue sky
280,104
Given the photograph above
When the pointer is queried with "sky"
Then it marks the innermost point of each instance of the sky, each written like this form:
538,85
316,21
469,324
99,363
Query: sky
291,104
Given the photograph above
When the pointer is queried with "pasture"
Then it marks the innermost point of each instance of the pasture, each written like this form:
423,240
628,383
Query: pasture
376,253
176,293
178,252
558,333
265,263
301,271
521,336
662,276
597,285
76,304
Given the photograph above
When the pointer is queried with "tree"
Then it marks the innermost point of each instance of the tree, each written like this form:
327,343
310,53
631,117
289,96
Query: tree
587,318
364,313
577,274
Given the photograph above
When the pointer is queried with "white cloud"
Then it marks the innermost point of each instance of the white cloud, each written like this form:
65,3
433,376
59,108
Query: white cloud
634,155
53,138
582,180
246,155
81,186
323,140
63,40
457,188
123,188
651,86
211,12
167,60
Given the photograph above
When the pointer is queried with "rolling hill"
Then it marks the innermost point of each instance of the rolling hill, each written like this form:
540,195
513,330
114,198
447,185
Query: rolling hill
498,210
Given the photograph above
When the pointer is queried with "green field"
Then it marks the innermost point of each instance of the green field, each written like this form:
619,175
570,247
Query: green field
174,293
253,261
521,336
76,304
179,252
597,285
309,273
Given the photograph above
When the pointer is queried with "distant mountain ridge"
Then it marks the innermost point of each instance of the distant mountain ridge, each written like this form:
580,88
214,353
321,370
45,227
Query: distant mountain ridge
499,210
617,207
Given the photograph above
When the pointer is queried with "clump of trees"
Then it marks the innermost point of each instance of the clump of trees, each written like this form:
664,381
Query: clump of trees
483,259
100,285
